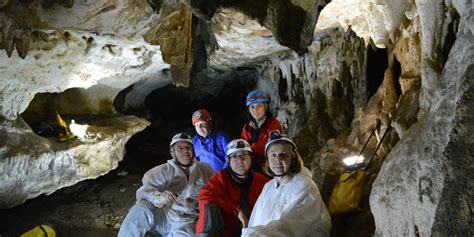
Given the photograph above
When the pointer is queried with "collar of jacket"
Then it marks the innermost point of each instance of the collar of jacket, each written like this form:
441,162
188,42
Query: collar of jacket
254,124
205,138
285,179
238,180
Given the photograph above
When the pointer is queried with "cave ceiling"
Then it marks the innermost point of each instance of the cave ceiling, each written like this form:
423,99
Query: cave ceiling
314,57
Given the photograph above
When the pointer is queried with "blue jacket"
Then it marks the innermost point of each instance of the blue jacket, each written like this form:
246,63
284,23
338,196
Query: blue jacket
212,149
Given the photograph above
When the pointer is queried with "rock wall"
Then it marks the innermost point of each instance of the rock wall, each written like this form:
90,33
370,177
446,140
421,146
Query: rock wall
316,95
320,95
374,20
423,188
74,59
291,21
32,165
81,46
76,62
423,94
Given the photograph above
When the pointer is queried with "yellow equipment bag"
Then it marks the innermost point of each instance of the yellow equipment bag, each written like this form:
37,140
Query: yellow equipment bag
44,230
347,193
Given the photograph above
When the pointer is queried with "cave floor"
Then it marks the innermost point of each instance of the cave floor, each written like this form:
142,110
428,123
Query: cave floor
90,208
95,207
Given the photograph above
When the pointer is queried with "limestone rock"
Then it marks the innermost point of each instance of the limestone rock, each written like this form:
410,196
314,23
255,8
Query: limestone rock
370,19
241,41
424,185
317,95
174,34
338,90
31,165
291,21
74,59
406,112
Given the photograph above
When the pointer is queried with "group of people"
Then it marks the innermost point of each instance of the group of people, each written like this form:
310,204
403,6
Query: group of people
252,186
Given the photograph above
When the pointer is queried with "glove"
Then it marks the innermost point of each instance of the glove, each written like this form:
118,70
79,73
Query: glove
165,198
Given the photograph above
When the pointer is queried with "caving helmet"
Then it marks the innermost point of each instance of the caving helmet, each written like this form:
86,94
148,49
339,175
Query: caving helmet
238,145
181,137
256,96
276,137
201,115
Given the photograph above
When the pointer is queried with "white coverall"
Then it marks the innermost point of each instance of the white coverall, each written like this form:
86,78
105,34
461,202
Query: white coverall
179,219
294,208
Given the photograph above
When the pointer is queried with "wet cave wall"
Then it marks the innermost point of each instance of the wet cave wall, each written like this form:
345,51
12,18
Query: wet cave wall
406,65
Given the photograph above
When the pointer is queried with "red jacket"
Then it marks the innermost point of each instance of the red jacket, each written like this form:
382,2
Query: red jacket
258,147
225,193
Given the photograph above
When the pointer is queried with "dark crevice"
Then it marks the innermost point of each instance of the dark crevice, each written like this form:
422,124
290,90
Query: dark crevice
377,62
282,87
347,93
397,71
450,38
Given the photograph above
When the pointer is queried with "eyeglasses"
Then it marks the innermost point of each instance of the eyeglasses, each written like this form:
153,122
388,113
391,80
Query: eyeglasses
241,157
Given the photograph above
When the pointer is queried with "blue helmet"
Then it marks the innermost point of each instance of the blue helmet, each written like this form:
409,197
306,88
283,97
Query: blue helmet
256,96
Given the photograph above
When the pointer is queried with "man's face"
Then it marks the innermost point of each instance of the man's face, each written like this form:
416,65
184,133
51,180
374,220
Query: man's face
183,152
257,111
240,162
279,158
202,128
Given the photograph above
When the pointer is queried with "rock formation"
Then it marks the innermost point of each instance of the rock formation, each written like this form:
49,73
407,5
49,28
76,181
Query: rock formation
332,70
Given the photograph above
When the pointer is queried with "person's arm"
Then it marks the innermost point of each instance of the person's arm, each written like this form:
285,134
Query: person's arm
245,134
223,142
305,213
258,147
244,220
197,148
273,124
154,182
215,192
204,198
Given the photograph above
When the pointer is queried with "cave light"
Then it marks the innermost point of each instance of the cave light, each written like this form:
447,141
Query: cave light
353,160
80,130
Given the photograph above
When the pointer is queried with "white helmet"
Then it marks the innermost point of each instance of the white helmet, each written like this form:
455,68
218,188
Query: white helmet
181,137
238,145
276,137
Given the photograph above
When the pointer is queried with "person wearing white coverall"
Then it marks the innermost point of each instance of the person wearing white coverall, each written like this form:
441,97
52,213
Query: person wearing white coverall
290,204
167,201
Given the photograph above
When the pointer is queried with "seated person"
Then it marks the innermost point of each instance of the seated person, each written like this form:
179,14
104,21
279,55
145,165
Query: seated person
290,204
261,123
167,201
209,145
230,194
